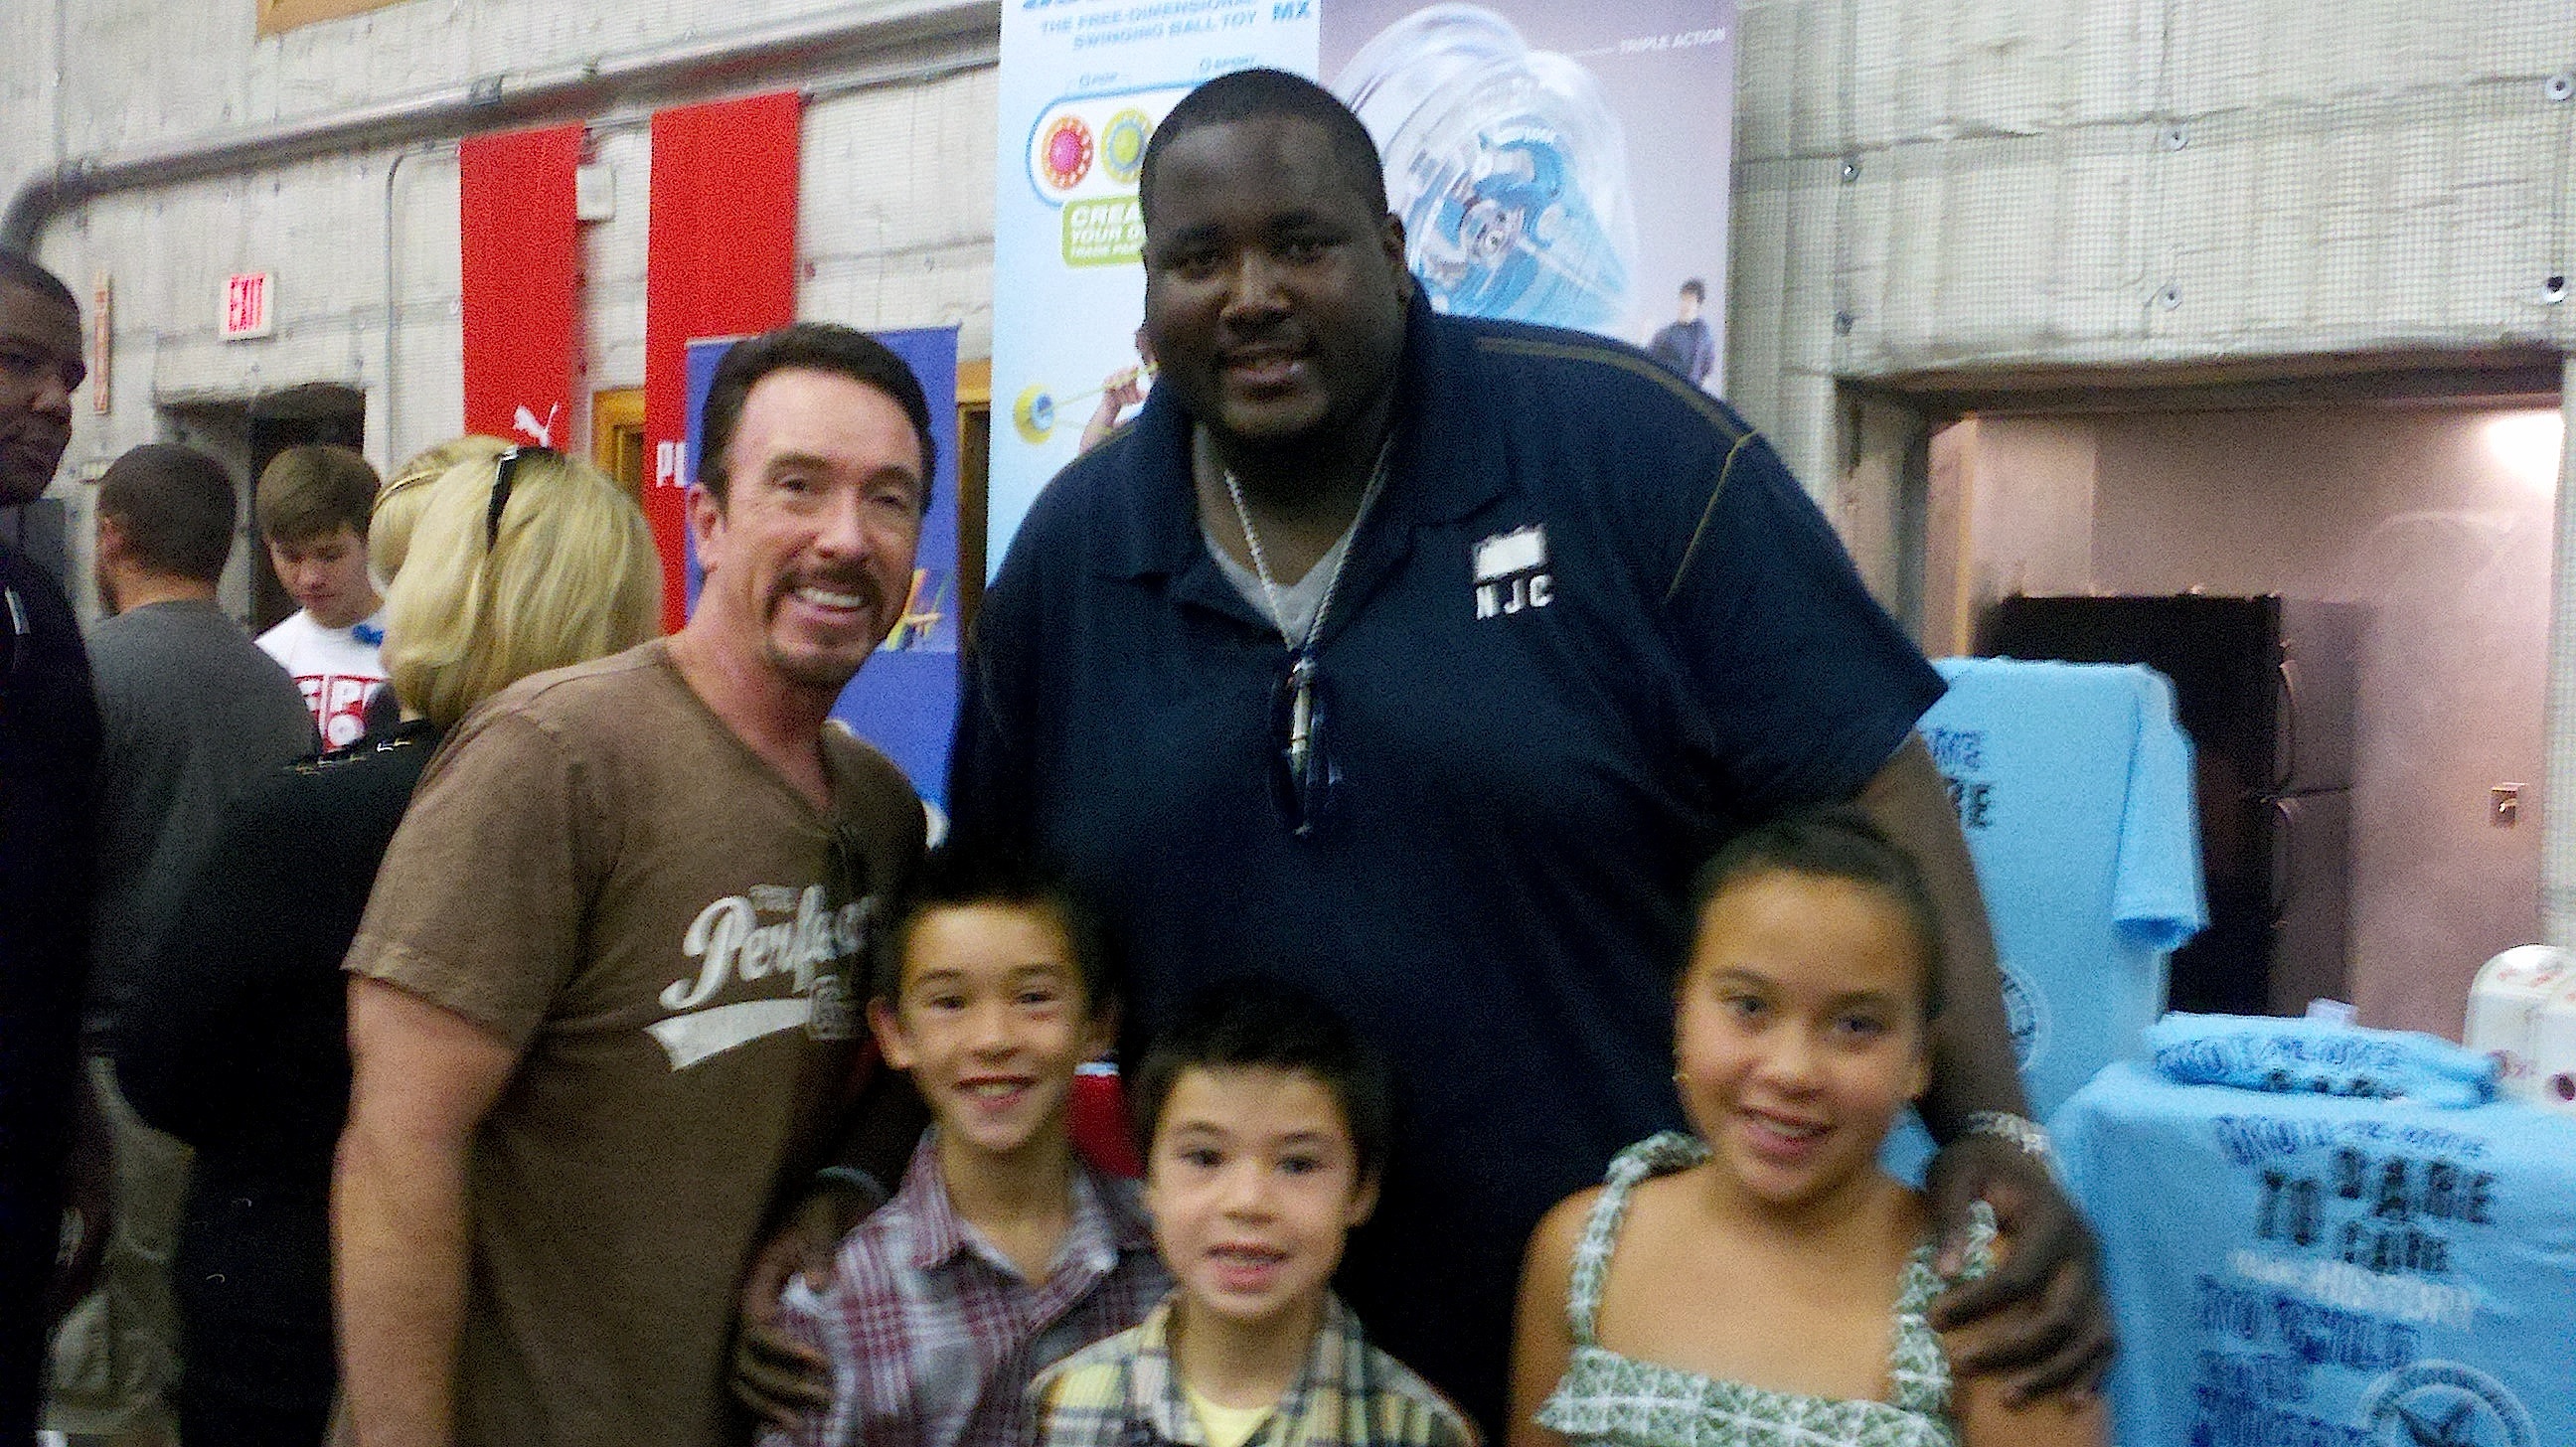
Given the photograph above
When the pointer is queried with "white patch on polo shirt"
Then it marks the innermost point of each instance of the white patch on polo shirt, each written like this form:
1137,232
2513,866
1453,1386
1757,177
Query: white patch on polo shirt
1511,573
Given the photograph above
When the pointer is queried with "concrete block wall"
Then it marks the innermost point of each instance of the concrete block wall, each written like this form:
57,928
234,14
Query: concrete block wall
1940,184
897,208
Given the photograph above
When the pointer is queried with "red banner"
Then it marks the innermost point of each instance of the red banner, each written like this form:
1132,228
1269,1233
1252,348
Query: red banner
721,262
520,262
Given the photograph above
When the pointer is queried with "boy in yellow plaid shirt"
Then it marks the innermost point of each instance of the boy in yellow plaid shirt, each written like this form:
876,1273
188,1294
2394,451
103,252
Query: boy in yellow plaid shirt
1266,1124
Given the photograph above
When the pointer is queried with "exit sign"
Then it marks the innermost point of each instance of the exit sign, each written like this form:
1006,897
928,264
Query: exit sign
250,305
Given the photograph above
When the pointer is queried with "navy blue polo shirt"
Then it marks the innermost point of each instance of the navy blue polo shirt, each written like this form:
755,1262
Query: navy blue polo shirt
1591,629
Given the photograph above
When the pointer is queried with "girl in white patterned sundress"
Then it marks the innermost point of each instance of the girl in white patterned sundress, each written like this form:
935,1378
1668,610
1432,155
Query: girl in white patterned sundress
1762,1283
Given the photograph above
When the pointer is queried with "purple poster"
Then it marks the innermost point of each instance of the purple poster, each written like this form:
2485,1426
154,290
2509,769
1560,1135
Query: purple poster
1555,163
905,700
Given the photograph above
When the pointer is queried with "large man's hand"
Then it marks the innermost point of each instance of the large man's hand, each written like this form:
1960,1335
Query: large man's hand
780,1378
2043,1322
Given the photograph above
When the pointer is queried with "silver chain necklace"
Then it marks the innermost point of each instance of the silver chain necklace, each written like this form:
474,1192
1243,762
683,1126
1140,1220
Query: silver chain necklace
1332,580
1301,668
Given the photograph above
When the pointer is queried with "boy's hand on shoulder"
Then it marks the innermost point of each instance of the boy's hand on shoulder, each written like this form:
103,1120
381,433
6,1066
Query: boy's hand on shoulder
779,1377
2044,1324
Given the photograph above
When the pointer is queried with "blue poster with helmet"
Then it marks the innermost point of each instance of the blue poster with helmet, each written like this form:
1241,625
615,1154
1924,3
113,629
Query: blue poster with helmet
904,700
1558,164
2322,1236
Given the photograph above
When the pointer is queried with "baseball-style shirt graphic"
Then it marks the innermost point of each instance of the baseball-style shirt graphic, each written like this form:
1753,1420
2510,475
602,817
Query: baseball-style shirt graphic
337,668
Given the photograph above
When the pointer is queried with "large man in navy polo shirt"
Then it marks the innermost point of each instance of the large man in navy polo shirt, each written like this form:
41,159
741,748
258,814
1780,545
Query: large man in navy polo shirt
1422,660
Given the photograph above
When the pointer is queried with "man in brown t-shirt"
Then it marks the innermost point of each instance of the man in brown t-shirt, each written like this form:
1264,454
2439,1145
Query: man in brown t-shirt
604,1005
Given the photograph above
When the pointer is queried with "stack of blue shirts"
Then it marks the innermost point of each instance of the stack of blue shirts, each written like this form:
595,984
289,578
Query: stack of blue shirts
2323,1236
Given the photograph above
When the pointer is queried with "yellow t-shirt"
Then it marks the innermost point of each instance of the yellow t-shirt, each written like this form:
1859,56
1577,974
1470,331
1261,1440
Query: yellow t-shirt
1226,1426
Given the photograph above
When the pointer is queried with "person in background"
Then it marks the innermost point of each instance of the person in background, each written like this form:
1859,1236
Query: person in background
1264,1120
1119,391
1738,1281
241,1052
313,504
48,779
192,713
1003,1251
1687,345
193,710
405,496
605,1005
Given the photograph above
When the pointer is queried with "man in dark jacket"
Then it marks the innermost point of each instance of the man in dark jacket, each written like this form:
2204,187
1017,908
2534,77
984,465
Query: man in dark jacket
48,753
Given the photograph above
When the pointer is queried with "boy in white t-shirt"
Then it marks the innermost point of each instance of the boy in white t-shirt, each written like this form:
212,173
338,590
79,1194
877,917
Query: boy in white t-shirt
312,505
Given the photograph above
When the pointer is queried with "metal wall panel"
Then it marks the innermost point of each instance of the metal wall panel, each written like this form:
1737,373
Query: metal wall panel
2119,182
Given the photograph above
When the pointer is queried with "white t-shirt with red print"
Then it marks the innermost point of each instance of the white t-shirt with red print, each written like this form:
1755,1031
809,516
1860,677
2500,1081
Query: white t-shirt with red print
336,667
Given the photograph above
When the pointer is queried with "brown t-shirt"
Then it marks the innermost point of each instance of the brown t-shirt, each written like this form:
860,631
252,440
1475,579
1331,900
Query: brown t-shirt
601,871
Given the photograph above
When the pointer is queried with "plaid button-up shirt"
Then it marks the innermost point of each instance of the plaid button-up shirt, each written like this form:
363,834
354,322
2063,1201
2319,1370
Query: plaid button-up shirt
932,1333
1123,1392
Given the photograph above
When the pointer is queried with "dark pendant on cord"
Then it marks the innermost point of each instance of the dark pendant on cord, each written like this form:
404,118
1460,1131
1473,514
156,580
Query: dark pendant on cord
1303,775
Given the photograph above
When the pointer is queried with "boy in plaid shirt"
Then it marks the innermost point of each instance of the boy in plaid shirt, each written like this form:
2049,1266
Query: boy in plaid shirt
1002,1251
1265,1120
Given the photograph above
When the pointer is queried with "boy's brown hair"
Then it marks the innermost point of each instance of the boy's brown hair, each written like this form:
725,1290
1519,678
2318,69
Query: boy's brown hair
1257,1023
960,879
311,491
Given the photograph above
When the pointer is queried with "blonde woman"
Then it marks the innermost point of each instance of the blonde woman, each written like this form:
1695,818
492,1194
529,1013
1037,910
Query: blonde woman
406,494
518,563
399,504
